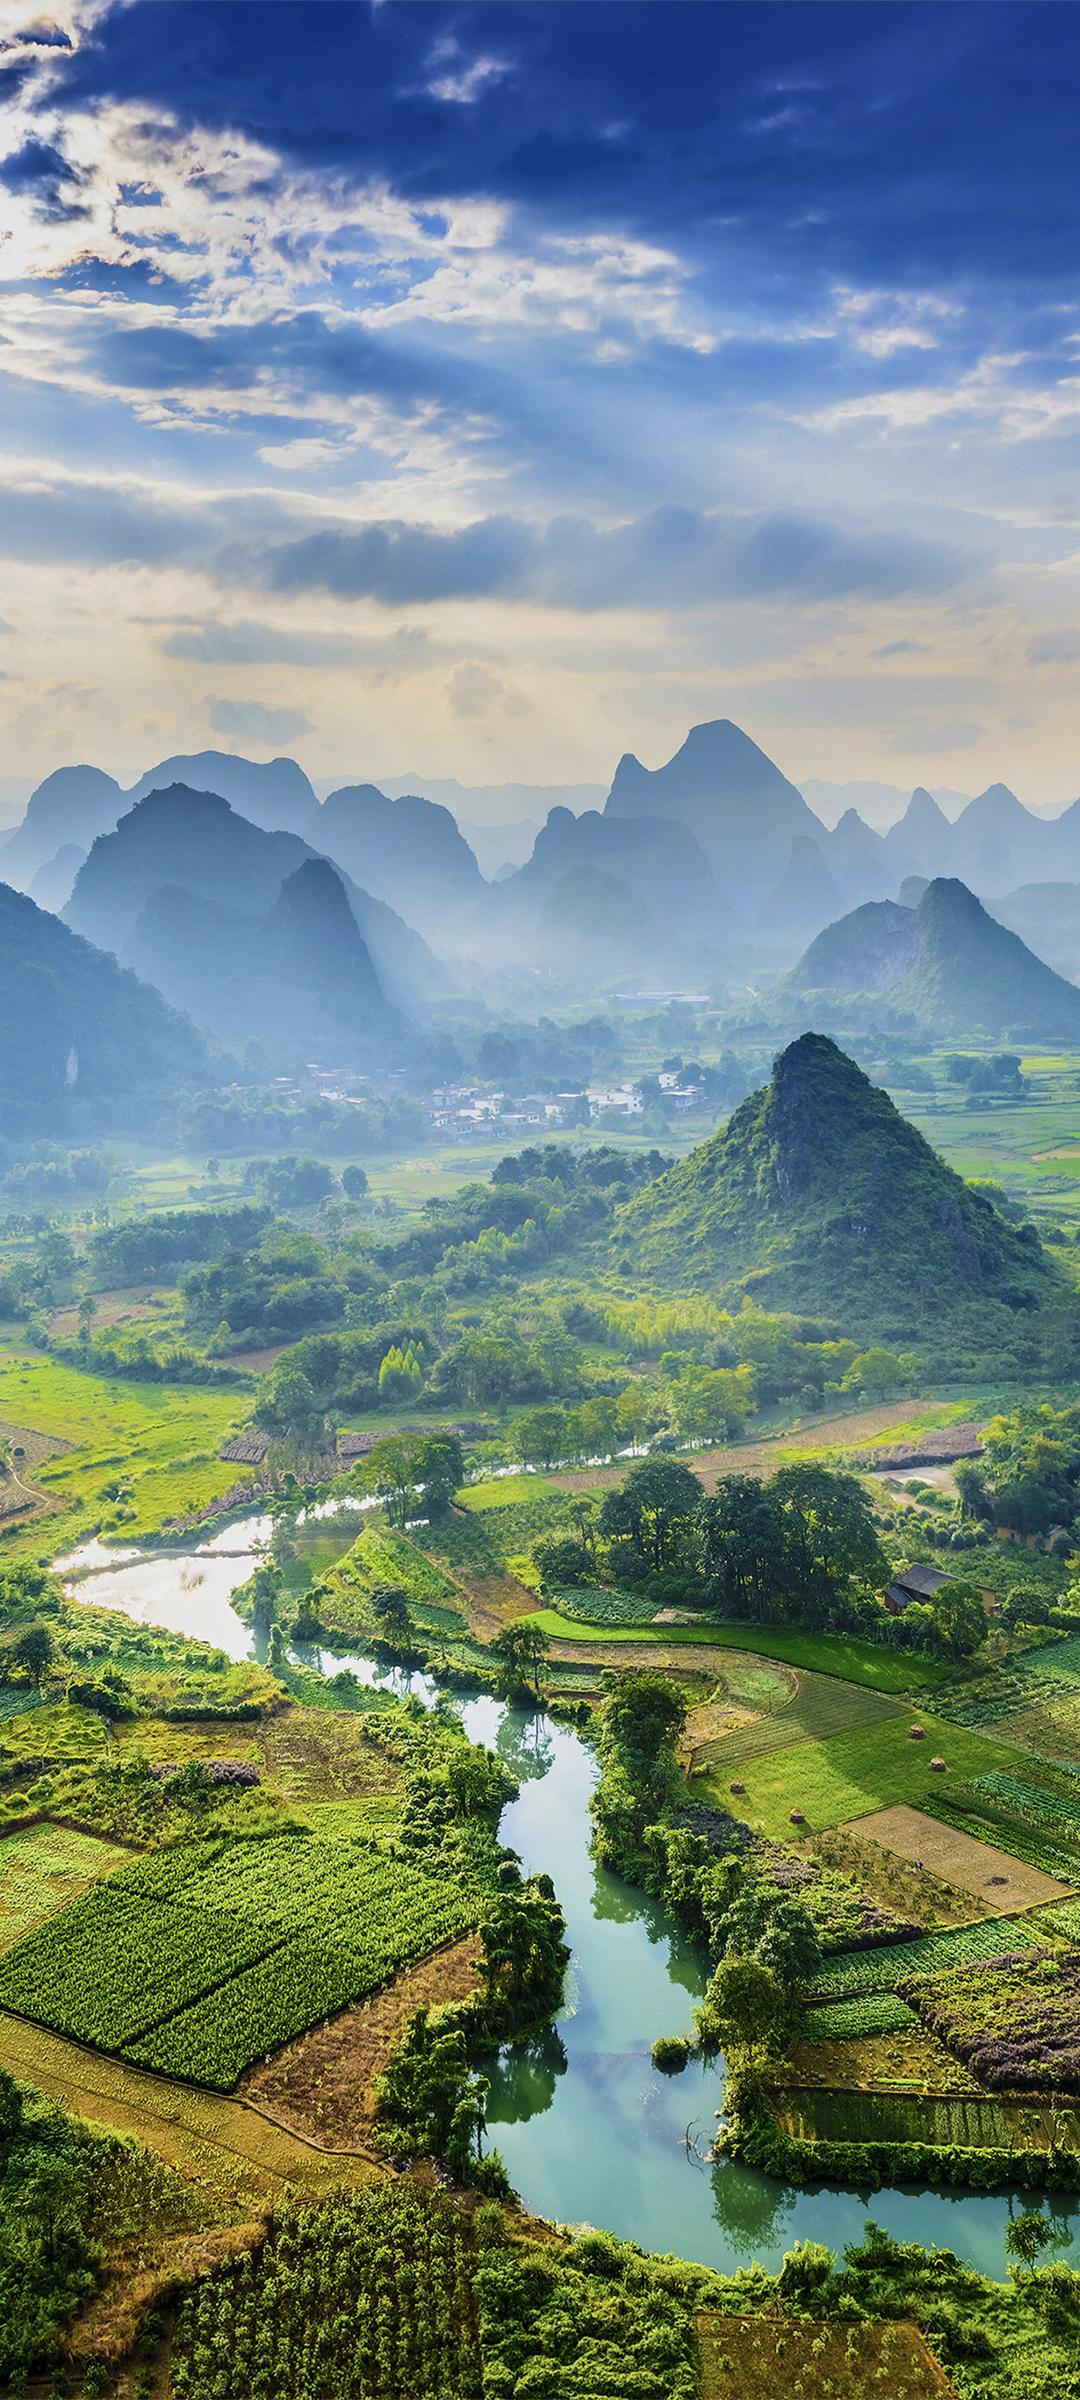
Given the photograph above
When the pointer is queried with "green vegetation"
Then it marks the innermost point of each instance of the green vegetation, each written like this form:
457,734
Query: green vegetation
858,1772
850,2020
826,1654
369,2294
771,1202
128,1455
885,1969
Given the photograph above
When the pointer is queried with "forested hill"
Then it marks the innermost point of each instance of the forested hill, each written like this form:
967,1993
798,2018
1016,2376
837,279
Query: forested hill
85,1044
947,964
818,1195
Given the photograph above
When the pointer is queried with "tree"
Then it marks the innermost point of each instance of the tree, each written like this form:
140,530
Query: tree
976,1498
829,1535
416,1474
877,1370
743,1550
745,2008
430,2096
1027,2236
958,1612
390,1609
653,1511
354,1183
540,1437
525,1956
86,1313
522,1646
34,1652
640,1723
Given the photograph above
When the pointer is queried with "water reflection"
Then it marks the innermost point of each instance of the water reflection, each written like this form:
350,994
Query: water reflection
589,2129
525,2087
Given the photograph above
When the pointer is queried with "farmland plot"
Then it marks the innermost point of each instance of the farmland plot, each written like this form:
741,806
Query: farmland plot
886,1968
751,2358
201,1959
42,1867
1015,2023
960,1859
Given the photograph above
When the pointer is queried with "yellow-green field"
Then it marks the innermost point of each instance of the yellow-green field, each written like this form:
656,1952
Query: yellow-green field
162,1439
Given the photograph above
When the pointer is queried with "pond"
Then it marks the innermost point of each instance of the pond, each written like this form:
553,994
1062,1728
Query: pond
588,2128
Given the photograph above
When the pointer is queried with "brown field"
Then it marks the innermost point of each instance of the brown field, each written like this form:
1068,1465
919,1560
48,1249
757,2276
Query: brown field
239,2159
882,2062
894,1882
321,2086
113,1308
959,1859
752,2358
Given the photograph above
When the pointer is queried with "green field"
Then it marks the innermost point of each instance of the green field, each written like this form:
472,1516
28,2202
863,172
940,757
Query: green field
42,1868
160,1438
824,1653
199,1959
855,1773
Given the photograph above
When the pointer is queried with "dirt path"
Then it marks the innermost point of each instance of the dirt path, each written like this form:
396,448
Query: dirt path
758,1457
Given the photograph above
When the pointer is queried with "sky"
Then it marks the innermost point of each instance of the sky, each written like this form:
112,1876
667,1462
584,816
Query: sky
490,390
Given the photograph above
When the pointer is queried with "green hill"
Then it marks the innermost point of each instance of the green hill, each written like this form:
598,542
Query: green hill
819,1196
947,964
87,1046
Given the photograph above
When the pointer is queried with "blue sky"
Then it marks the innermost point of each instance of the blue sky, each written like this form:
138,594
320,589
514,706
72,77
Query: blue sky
488,390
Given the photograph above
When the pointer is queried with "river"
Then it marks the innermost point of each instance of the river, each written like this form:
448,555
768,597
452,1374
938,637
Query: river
588,2128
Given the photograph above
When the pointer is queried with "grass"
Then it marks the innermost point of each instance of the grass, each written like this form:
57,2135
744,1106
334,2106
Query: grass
160,1438
43,1867
824,1653
506,1491
859,1772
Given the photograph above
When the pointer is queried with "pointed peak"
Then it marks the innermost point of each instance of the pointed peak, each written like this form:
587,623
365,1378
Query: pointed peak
923,809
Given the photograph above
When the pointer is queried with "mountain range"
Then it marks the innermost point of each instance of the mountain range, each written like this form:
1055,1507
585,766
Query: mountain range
180,840
711,865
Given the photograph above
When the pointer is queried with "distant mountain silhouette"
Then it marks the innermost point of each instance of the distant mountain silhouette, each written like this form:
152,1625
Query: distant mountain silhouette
52,885
819,1196
408,852
948,964
1047,917
742,810
297,981
74,804
193,841
88,1047
274,793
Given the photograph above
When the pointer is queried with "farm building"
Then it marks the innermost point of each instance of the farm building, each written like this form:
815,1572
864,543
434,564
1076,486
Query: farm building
920,1583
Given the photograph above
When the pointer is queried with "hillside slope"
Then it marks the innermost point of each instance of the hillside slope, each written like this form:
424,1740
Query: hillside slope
297,983
948,964
86,1044
819,1196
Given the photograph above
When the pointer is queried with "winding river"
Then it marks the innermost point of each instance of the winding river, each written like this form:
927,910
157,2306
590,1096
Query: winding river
588,2129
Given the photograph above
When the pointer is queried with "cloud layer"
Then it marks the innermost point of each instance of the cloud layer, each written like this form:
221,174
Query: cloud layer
407,385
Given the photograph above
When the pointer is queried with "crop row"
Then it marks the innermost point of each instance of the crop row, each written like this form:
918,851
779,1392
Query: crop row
846,2020
986,1823
199,1964
886,1968
1029,1801
108,1967
370,2293
590,1606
